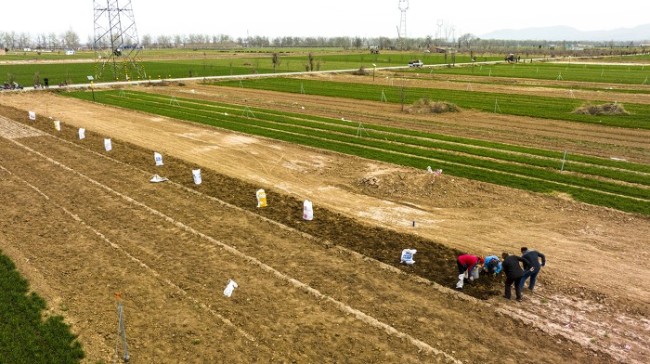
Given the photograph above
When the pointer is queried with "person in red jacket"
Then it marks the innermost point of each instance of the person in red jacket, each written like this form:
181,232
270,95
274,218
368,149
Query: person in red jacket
466,263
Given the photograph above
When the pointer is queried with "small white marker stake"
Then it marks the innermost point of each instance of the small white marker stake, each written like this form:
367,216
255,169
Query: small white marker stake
108,145
230,288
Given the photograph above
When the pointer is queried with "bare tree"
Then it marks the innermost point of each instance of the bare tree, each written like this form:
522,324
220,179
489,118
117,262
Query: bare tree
310,60
10,40
24,40
275,60
52,41
146,41
71,39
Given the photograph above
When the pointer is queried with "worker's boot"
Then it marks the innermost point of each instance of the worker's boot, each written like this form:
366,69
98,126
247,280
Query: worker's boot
461,280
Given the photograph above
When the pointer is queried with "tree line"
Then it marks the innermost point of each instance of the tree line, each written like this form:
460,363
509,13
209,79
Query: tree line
11,40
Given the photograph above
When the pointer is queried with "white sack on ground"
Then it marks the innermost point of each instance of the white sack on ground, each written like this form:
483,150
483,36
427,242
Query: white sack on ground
407,256
307,210
157,157
196,175
230,288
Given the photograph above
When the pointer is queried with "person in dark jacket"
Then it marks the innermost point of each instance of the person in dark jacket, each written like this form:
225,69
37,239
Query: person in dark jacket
531,260
514,273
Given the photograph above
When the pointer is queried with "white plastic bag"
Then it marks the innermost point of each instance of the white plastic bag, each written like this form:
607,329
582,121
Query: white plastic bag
82,133
32,115
108,145
57,125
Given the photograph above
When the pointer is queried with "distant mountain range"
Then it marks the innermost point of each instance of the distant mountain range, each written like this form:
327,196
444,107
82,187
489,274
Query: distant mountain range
560,33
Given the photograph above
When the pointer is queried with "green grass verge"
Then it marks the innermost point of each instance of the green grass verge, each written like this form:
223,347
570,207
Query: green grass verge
24,336
402,147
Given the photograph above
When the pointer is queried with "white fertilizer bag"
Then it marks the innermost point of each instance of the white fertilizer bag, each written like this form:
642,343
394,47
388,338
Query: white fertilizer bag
108,145
32,115
307,210
157,157
82,133
196,175
407,256
57,125
261,198
230,288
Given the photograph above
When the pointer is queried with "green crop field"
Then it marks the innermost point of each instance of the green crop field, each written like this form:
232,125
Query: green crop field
522,105
594,180
633,74
24,336
176,64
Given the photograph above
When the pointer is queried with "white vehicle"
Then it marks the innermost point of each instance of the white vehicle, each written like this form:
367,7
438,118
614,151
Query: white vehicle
416,63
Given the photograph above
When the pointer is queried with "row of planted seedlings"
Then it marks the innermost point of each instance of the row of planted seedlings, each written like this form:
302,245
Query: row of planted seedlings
633,74
394,147
401,91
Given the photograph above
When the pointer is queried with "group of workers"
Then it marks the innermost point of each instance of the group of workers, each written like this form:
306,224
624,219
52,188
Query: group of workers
469,267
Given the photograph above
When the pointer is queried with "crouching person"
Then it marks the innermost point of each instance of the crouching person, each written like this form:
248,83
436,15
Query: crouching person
466,264
492,265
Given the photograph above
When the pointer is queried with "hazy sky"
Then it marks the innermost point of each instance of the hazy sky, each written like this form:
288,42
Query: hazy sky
328,18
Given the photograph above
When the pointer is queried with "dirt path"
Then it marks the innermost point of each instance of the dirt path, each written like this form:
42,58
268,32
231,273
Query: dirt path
580,296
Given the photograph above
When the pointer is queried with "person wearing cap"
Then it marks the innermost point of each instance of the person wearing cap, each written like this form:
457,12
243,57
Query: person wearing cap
492,265
466,264
514,273
531,260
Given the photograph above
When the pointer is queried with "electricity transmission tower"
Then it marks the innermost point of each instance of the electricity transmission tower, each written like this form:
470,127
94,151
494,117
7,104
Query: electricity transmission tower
116,41
401,30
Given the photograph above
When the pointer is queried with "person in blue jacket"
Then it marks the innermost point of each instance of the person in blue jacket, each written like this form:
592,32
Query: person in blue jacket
531,260
492,265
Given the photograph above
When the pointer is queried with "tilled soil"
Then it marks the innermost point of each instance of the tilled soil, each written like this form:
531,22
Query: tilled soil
328,288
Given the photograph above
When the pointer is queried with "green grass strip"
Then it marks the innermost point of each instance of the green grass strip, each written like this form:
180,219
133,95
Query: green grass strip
512,104
24,336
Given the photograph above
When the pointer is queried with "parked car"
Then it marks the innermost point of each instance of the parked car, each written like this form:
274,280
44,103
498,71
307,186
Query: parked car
416,63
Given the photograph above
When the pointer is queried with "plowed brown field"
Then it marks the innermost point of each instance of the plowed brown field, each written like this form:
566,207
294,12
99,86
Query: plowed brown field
82,223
